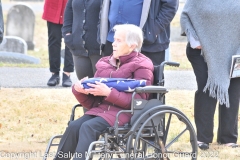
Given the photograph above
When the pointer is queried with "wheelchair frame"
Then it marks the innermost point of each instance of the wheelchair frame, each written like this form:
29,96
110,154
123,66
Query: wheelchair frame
133,138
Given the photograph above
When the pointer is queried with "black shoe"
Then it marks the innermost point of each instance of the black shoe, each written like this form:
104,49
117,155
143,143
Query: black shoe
203,146
54,80
66,81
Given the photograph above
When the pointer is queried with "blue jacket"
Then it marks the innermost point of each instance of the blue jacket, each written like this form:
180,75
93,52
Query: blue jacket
156,28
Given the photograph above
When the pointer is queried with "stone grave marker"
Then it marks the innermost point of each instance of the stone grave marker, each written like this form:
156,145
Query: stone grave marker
14,50
21,23
13,44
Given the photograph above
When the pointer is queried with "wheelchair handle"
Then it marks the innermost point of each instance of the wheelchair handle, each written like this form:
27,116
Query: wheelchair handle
173,64
161,79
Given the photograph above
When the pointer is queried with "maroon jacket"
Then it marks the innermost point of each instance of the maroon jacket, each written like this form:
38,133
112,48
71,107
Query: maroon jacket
53,11
134,65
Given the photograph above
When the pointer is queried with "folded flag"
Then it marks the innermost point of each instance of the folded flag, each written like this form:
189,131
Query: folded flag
120,84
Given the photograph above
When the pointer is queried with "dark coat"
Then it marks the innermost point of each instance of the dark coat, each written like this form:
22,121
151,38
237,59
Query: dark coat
134,65
53,11
80,19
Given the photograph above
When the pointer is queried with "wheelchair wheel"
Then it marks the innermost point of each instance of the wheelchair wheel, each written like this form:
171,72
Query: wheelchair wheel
163,134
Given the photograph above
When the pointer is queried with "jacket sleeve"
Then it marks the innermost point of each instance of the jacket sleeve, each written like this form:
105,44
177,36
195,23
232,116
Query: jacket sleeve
187,28
87,101
123,99
68,19
166,14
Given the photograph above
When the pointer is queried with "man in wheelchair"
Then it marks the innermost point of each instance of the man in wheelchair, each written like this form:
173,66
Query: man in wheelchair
104,103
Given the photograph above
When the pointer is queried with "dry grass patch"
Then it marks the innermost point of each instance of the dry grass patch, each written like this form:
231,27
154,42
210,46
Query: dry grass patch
31,116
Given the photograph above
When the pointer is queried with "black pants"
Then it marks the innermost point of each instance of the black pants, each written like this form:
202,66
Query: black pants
79,135
204,105
54,49
156,57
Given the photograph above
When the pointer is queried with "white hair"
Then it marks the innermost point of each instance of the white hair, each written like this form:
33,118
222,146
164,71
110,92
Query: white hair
134,35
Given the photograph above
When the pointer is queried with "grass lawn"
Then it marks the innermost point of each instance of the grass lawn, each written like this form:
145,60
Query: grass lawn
31,116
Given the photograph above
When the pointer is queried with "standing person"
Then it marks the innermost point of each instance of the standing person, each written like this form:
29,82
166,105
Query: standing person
80,34
213,38
53,14
153,16
103,102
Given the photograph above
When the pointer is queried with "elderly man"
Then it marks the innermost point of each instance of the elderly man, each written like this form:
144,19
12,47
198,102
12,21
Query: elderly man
103,103
153,16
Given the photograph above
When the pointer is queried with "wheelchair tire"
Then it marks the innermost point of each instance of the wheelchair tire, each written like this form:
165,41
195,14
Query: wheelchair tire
154,138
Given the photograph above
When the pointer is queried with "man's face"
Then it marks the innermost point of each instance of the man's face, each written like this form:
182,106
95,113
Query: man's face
120,47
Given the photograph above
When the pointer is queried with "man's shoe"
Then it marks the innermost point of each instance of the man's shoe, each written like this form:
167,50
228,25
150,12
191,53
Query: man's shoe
66,81
203,145
54,80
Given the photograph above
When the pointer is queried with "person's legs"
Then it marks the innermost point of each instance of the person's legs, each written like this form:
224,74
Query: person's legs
69,141
156,57
68,67
89,132
94,59
54,49
68,61
83,66
204,105
228,117
54,46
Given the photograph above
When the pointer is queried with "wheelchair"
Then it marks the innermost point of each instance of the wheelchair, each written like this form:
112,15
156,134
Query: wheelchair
156,130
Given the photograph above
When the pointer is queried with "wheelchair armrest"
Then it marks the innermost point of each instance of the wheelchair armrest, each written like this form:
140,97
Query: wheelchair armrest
151,89
73,112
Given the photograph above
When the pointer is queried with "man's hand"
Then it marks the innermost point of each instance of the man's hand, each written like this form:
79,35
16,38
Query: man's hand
98,89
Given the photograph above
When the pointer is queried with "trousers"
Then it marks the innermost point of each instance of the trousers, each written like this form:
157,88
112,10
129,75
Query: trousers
79,135
204,105
85,66
54,49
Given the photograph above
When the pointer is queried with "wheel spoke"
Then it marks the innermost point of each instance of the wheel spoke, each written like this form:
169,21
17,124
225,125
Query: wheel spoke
176,138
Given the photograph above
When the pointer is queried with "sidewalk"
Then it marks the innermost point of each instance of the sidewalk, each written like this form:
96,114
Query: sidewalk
13,77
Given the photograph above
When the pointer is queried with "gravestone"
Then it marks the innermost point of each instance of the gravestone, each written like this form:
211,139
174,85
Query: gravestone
14,50
13,44
21,23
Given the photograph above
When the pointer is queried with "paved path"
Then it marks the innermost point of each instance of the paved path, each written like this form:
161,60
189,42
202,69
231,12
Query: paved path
14,77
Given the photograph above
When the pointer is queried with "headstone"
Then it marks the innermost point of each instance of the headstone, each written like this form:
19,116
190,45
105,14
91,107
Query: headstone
13,44
11,57
21,23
